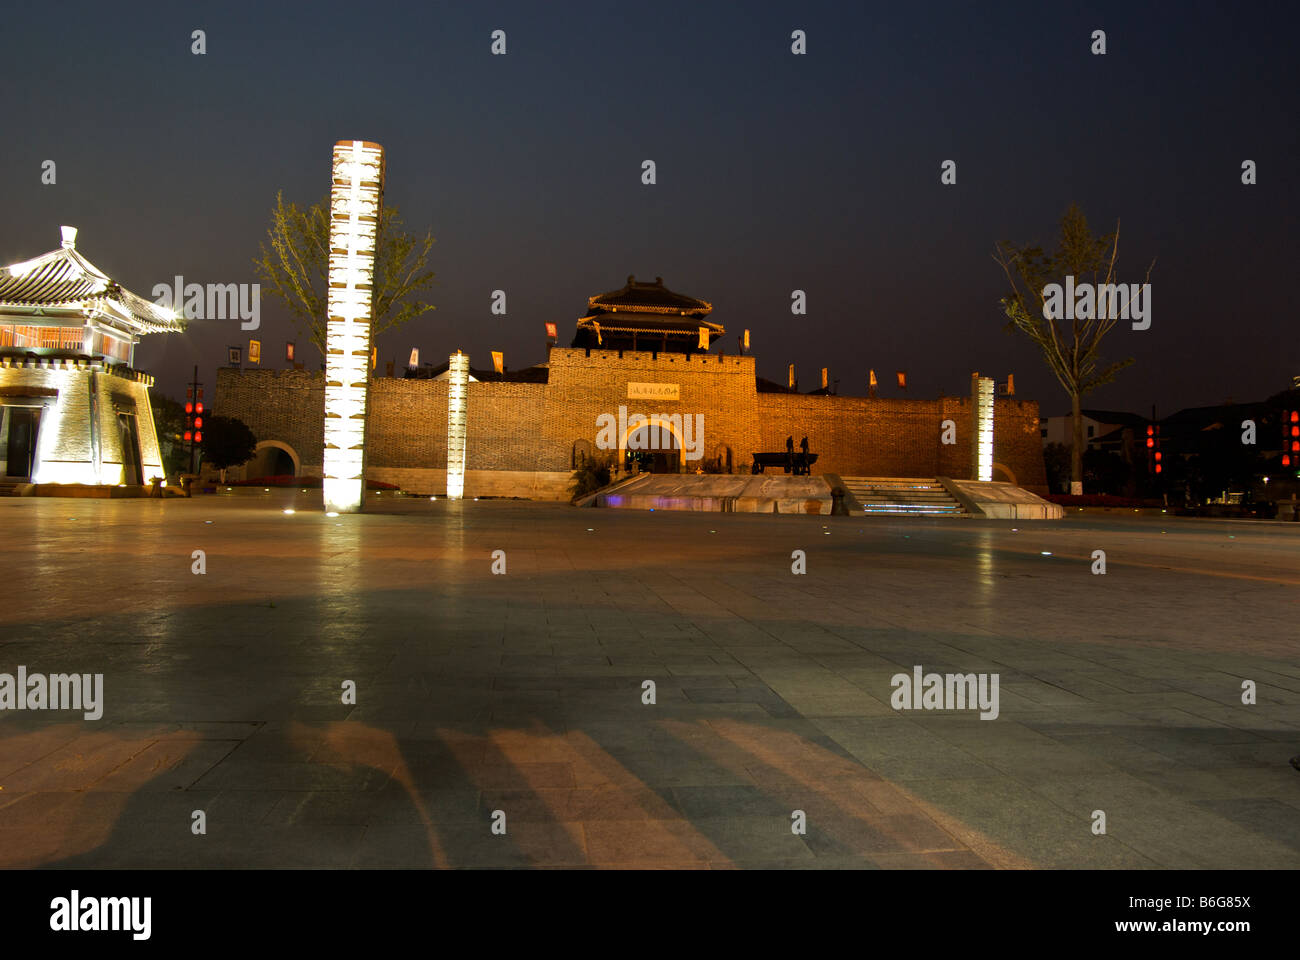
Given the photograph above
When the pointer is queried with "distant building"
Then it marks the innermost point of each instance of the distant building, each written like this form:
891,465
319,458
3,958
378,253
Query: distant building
74,410
1096,424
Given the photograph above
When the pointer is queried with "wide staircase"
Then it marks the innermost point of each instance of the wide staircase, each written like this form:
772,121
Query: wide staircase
903,497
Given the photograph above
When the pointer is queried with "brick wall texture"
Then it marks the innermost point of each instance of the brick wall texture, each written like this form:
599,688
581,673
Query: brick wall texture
531,428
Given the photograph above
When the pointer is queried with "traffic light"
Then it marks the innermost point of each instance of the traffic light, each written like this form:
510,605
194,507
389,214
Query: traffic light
1291,439
1153,448
193,422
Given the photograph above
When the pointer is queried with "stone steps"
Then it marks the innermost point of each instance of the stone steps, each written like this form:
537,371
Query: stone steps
903,497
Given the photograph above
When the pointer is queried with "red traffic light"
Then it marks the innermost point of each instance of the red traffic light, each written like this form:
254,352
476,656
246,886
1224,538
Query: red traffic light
1150,443
1159,468
189,408
187,436
198,408
1150,430
1157,456
198,423
1286,460
198,438
1295,416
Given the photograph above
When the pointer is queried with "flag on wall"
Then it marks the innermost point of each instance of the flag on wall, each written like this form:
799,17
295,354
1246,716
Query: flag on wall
790,377
825,378
374,357
1011,384
704,338
498,361
288,351
415,357
746,339
551,331
902,379
254,351
871,378
599,341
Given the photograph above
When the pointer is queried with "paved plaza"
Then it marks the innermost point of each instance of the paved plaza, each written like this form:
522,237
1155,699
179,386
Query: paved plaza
522,692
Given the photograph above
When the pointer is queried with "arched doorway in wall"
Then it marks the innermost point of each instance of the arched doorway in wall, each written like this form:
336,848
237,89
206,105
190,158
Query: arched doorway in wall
653,446
582,452
1003,474
274,458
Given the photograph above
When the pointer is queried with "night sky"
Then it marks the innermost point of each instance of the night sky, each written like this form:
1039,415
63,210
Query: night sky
775,172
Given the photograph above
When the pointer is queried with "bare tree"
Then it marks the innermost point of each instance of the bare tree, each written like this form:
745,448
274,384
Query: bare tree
296,265
1072,348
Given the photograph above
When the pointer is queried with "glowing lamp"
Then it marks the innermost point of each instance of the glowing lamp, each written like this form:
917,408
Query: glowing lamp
356,205
457,395
982,404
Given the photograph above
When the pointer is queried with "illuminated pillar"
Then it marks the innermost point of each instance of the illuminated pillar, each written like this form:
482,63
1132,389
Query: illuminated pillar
457,395
356,204
981,395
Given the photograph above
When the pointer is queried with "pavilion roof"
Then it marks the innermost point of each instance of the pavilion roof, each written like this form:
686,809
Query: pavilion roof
636,297
65,280
620,323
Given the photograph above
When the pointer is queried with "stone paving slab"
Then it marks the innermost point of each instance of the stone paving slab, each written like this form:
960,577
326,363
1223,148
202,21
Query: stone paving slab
521,695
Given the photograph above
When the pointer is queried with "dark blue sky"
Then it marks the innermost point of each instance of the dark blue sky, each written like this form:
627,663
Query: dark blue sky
775,172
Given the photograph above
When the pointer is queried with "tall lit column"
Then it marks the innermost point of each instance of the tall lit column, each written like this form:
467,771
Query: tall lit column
356,204
981,395
457,395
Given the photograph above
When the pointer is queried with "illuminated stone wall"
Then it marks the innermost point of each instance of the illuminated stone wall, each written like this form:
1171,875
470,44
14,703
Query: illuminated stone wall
65,441
527,430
